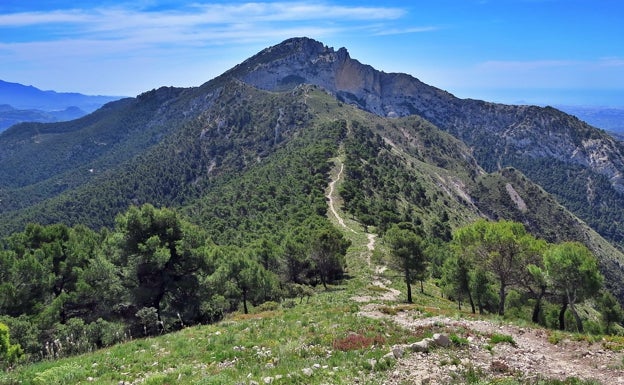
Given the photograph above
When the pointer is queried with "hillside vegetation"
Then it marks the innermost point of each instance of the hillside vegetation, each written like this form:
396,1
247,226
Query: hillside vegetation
320,336
261,224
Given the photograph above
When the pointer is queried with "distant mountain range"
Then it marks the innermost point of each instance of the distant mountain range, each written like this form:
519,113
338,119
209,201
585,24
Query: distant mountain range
10,116
20,103
609,119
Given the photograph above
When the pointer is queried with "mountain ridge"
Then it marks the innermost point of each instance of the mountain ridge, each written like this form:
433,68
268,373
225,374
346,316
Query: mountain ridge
175,147
537,140
243,176
10,116
24,97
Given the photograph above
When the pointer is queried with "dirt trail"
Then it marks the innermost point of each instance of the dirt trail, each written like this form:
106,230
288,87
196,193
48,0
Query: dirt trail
386,293
532,357
330,197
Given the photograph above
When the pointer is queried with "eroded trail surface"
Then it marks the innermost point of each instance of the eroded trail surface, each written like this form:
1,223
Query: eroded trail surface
332,201
385,293
531,357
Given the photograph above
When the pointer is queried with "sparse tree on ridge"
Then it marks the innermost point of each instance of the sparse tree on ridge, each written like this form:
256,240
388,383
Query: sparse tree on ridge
573,273
456,278
610,309
328,249
502,248
407,251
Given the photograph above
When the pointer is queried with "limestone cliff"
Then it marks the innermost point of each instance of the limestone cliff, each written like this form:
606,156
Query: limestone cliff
551,147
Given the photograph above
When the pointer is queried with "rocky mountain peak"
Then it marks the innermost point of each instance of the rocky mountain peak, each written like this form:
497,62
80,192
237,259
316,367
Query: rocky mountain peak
303,60
538,141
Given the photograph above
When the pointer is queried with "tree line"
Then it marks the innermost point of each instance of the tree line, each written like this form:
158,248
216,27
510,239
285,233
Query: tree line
68,290
489,262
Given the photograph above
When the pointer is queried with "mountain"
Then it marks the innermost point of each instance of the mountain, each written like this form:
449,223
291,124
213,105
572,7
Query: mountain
10,116
609,119
21,97
581,165
246,155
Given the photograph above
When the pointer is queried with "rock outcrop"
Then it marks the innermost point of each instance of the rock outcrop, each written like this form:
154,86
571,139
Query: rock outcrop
530,131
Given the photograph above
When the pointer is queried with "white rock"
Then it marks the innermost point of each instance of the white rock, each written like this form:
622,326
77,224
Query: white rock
390,357
421,346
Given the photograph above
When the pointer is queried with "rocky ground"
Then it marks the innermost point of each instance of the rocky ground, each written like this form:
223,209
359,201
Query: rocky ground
531,356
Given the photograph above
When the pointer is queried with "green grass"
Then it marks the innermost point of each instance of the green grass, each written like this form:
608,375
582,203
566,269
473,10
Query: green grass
502,338
317,341
244,347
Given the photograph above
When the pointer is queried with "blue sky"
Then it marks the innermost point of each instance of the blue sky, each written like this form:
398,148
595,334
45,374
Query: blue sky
512,51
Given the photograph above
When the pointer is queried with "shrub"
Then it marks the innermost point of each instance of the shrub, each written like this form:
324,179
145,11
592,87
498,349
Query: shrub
60,375
105,333
355,341
9,353
502,338
457,340
288,303
148,318
267,306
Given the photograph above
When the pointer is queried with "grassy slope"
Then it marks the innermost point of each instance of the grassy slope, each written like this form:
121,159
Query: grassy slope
323,334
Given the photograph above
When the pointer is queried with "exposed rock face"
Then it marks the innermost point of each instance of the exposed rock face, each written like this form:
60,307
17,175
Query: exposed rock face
302,60
509,131
554,149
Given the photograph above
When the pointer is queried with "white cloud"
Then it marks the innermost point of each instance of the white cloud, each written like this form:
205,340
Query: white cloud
110,40
403,31
26,19
612,62
129,19
196,25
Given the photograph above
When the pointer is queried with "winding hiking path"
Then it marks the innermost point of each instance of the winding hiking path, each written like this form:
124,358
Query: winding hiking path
532,356
386,294
331,197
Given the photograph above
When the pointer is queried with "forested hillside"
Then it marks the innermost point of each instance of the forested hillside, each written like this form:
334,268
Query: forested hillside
213,149
579,164
180,206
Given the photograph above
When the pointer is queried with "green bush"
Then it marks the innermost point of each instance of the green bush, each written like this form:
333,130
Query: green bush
61,375
24,333
105,333
502,338
267,306
457,340
9,353
592,327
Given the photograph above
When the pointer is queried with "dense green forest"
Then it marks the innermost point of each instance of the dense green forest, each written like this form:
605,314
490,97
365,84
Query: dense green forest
264,236
68,290
71,289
